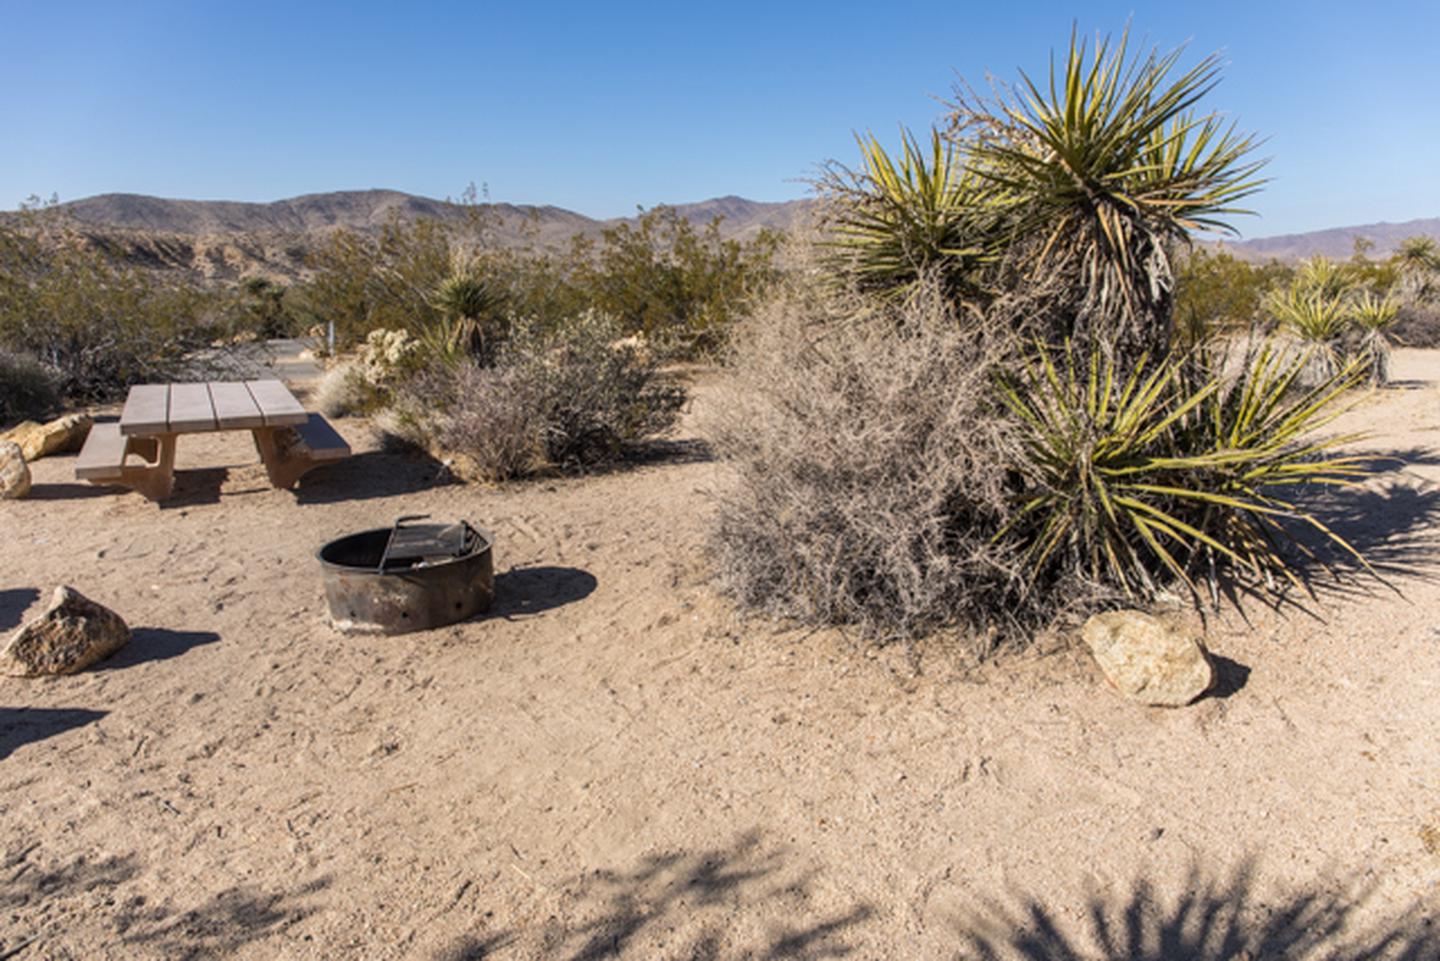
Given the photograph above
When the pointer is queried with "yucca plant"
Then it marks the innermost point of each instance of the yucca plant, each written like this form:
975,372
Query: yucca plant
895,222
1374,316
1318,321
471,323
1102,172
1134,477
1418,261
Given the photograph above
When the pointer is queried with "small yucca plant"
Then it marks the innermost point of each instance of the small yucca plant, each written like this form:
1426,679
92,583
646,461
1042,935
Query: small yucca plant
471,323
1319,320
1135,477
1374,316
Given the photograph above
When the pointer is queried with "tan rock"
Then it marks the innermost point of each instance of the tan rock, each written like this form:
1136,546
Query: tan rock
1147,659
68,636
14,472
61,435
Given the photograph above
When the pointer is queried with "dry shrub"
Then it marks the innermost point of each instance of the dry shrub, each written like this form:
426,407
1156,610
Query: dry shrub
562,397
488,416
342,392
868,456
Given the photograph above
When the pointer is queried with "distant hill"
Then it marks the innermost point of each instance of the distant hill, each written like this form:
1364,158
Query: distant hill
223,239
1337,242
371,209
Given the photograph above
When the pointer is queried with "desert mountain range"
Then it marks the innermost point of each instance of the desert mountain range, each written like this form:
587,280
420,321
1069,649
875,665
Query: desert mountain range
225,239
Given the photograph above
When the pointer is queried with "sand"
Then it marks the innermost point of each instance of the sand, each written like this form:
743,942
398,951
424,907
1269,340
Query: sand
615,764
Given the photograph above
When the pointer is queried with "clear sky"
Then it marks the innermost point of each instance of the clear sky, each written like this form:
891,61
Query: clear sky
601,106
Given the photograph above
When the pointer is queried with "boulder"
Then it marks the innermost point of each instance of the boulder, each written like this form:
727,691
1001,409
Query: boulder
14,472
68,636
1147,659
61,435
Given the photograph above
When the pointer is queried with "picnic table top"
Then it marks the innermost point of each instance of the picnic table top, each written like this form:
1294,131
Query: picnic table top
217,405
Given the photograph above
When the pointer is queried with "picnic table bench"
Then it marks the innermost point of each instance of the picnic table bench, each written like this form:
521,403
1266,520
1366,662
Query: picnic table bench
290,440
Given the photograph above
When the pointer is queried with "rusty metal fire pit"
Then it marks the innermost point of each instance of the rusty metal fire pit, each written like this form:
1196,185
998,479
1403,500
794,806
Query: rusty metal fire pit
409,577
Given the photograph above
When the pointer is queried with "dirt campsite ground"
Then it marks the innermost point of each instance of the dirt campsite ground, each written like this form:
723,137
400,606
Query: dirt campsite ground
613,764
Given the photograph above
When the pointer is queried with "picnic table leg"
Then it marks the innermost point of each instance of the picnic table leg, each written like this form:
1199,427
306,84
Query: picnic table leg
156,479
282,462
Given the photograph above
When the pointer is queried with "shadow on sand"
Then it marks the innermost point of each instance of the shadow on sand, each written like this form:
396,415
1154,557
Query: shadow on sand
14,602
533,590
636,912
26,725
155,644
1208,918
1391,521
370,475
217,927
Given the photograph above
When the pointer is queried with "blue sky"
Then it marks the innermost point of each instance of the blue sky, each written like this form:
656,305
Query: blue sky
602,106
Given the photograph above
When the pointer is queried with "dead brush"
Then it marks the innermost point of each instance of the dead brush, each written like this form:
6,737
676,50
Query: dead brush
867,462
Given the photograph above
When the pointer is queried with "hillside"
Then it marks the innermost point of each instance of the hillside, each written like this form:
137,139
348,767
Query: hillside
1336,242
222,239
371,209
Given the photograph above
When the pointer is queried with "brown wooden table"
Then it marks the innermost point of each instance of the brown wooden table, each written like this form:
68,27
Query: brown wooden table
290,440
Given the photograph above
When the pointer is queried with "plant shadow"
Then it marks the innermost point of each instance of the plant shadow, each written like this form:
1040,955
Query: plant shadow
224,923
1392,521
679,906
522,591
1212,918
14,602
25,725
155,644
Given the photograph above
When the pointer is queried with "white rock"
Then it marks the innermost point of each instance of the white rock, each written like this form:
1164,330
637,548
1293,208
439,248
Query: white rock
14,472
1147,659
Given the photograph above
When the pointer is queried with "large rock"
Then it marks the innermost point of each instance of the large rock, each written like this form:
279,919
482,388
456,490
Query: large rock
14,472
1147,659
68,636
61,435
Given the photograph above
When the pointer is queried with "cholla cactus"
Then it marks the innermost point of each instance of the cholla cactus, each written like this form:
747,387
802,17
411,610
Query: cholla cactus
386,355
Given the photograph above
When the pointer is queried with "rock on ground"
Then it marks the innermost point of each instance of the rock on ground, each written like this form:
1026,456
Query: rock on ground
1147,659
14,472
68,636
59,436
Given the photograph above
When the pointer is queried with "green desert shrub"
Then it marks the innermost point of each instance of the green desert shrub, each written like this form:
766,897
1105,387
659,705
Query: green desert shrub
28,389
101,326
558,396
1217,294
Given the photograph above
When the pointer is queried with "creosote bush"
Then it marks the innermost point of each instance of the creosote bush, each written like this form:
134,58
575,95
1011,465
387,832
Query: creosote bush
28,389
98,325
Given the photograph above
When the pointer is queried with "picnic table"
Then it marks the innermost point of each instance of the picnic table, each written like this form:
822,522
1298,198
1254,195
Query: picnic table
290,440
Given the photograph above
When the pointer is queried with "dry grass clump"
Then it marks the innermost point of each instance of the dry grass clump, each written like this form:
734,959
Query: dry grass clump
869,464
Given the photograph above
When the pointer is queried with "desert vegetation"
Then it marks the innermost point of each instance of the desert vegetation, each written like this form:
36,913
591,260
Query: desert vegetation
85,325
1013,396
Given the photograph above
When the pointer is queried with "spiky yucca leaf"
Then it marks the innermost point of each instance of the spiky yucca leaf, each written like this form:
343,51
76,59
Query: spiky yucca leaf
897,221
1107,168
1134,476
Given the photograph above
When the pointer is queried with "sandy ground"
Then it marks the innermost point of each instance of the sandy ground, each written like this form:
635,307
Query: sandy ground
613,764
